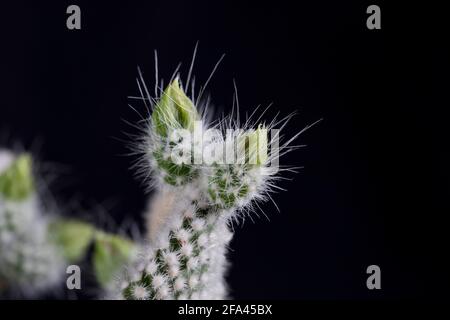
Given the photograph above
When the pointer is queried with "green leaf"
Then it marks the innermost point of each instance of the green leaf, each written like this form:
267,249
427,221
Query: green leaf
174,110
74,237
111,253
16,182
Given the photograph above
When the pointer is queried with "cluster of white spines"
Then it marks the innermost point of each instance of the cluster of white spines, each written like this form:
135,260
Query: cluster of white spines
29,262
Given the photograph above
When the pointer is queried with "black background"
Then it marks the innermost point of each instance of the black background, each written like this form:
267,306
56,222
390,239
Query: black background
375,185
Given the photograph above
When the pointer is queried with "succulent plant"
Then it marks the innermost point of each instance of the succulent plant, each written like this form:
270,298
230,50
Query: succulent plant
203,177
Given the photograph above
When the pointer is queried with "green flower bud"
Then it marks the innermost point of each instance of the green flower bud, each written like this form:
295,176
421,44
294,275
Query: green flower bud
16,182
174,110
253,144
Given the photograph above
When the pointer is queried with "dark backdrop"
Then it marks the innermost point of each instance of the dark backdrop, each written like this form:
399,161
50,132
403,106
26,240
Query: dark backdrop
375,183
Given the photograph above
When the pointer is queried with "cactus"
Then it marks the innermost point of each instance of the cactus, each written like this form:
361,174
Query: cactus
195,201
29,262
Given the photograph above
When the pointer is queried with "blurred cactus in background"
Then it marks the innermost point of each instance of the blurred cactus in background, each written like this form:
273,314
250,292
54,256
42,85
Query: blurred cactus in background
110,252
36,247
29,261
